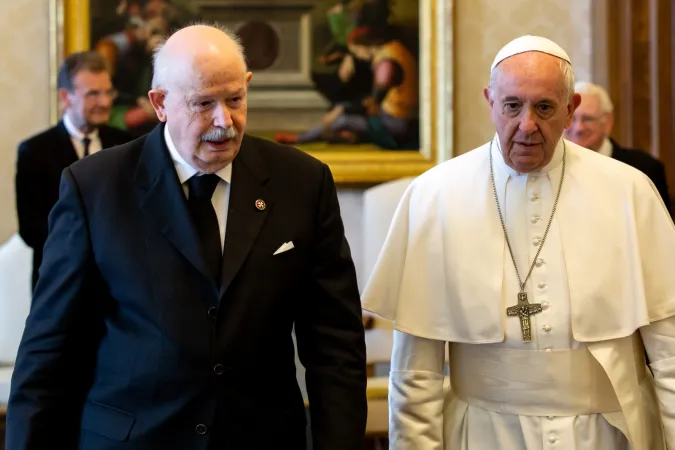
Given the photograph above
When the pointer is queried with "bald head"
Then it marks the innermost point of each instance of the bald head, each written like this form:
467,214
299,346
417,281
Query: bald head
194,46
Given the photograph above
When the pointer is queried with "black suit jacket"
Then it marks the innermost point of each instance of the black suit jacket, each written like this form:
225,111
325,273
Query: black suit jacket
40,161
130,344
645,163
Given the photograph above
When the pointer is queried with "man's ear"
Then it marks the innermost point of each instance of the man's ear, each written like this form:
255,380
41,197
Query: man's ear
249,75
158,101
64,99
486,94
574,103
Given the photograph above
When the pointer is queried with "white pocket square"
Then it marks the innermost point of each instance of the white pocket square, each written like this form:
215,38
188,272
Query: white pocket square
286,246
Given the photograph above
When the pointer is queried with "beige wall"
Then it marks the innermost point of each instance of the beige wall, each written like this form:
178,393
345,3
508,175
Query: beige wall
484,26
24,90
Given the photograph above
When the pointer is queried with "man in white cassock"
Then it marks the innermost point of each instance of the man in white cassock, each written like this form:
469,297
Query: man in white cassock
546,269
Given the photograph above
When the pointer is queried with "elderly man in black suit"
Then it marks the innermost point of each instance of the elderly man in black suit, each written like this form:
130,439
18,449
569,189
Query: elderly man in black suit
175,270
86,94
591,126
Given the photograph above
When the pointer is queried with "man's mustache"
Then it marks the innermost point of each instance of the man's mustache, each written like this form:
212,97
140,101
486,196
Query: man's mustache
219,134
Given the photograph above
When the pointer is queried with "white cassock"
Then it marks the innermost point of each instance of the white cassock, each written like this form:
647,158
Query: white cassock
604,279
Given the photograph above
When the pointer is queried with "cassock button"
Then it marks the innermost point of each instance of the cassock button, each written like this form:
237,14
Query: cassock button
201,429
541,285
549,349
544,305
260,204
212,312
534,197
550,417
553,439
536,242
547,328
540,262
535,219
219,369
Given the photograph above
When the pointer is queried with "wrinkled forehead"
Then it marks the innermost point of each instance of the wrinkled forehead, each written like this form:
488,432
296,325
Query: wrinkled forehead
530,74
207,74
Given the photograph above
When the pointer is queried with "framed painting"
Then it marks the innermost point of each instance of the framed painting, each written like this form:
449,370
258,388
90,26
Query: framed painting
363,85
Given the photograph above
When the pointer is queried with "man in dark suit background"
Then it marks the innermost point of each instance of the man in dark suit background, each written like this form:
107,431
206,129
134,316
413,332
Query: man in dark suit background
175,269
86,93
591,126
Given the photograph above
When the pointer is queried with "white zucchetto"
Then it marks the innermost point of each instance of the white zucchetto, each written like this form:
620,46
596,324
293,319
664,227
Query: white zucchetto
529,44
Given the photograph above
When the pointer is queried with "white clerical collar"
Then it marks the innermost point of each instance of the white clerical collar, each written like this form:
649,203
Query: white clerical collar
184,170
501,165
76,132
606,148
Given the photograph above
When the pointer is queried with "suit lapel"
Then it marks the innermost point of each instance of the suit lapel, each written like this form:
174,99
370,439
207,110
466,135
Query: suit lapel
618,153
162,198
68,155
245,219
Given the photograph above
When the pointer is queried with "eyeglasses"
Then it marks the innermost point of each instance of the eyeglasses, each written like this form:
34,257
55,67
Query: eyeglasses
587,120
96,94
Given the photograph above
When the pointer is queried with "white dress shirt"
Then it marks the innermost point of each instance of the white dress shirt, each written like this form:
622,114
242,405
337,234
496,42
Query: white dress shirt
221,196
76,137
606,148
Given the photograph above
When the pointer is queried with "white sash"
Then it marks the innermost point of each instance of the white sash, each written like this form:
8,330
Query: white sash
531,383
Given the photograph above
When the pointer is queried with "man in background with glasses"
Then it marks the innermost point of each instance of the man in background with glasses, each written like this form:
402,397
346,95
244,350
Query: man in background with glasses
591,126
86,96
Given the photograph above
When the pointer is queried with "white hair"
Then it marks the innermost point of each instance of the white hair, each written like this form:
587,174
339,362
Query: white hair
565,69
161,62
586,88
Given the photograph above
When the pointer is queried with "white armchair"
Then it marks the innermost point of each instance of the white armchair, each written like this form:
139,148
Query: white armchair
16,264
379,206
16,260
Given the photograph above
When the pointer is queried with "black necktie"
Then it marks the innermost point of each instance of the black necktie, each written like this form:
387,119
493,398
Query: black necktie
86,141
200,191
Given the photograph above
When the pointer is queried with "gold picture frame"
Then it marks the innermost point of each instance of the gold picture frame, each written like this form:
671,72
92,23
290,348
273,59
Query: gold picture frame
71,33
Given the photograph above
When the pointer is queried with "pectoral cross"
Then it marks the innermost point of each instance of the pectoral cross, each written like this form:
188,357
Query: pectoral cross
524,310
